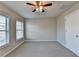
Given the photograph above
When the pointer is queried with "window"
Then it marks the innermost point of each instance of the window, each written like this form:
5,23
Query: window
4,30
19,30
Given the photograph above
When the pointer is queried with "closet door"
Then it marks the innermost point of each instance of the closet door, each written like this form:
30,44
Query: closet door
72,31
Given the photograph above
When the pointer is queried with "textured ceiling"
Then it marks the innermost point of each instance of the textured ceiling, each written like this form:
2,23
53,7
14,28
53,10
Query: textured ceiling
26,11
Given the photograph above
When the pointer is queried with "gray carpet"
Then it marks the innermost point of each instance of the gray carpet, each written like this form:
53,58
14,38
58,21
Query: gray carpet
41,49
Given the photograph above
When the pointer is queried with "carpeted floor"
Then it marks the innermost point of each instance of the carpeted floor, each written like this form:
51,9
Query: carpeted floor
41,49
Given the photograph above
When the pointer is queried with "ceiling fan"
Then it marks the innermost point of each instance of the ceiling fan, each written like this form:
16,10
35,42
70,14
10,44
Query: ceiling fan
39,6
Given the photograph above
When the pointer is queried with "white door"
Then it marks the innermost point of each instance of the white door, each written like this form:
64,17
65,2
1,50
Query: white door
72,31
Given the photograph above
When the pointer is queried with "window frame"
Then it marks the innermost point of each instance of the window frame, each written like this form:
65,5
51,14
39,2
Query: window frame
20,30
7,31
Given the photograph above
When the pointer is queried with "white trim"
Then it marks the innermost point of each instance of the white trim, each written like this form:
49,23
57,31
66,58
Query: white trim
39,40
67,48
61,43
12,49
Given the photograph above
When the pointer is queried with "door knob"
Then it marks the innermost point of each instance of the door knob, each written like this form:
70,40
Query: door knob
77,35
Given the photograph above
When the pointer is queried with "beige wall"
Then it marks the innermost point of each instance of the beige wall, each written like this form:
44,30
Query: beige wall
13,17
41,29
61,30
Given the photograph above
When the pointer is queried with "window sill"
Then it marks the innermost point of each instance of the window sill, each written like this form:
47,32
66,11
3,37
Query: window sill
17,40
4,46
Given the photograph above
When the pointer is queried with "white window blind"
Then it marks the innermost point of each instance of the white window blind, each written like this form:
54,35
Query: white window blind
19,30
4,30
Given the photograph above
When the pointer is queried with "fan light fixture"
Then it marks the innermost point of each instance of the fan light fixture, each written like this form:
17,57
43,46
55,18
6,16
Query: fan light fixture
39,6
39,9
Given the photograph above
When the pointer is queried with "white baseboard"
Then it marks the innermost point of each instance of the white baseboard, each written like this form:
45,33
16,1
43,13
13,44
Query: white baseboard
61,43
67,48
38,40
12,49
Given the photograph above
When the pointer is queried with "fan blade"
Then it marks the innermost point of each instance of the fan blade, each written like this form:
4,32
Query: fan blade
50,4
43,10
34,10
30,4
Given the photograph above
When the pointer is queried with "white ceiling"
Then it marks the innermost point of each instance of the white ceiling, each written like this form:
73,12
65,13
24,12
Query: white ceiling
26,11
